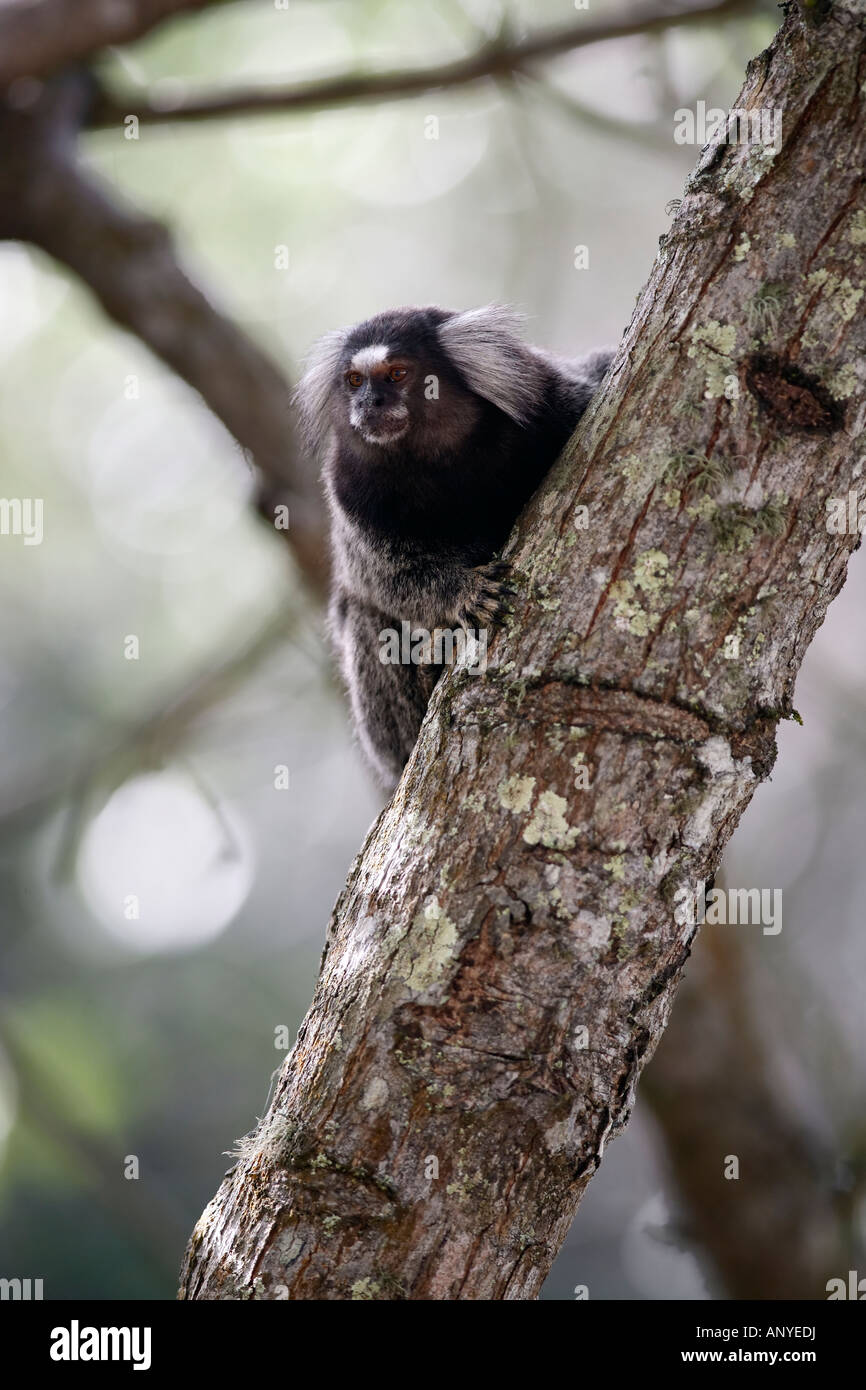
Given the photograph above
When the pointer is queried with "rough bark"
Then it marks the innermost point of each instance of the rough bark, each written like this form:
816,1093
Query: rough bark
499,907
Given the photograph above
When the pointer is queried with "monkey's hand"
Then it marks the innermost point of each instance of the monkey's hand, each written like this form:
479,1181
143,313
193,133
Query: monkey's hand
485,601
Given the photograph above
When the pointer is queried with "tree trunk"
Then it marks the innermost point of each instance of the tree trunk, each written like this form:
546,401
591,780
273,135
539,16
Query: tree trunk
502,961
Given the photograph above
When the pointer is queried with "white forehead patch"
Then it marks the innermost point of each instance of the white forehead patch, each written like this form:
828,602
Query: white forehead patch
369,357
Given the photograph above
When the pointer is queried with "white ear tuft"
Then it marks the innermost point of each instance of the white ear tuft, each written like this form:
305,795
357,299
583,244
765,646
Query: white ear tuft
313,392
485,346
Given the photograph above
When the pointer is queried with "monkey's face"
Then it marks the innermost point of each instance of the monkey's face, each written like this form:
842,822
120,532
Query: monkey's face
378,385
390,390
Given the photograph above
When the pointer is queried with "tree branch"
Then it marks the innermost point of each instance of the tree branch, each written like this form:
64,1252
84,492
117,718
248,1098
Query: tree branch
129,263
782,1228
38,37
502,961
497,59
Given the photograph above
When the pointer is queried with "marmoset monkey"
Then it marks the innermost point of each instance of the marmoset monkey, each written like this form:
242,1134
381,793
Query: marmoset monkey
434,429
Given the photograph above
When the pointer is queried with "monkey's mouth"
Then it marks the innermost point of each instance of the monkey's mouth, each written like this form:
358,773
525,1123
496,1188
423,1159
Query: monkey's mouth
385,428
383,431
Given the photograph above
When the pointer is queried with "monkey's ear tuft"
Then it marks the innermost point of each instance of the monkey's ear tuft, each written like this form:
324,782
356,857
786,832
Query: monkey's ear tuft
313,392
485,346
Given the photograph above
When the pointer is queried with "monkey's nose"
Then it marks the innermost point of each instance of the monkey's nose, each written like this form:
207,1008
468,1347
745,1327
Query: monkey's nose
378,401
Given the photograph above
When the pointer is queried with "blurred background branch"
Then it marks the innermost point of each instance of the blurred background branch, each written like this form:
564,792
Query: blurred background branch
39,36
500,58
128,261
785,1223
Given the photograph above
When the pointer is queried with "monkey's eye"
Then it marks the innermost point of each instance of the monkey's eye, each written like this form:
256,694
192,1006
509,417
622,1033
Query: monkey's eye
354,379
398,374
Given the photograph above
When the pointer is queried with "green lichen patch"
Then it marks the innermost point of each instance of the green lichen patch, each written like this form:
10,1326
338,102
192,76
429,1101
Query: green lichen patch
548,825
843,383
628,614
712,347
846,299
651,572
515,793
639,476
857,230
428,946
702,510
365,1289
616,867
650,580
838,292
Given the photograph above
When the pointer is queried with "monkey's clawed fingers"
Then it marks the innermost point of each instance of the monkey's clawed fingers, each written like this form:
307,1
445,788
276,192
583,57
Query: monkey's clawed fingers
487,600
